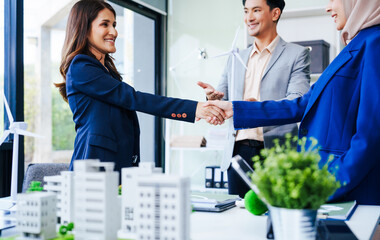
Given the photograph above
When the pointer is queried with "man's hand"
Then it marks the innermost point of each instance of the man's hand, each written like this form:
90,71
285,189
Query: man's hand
223,105
211,114
210,91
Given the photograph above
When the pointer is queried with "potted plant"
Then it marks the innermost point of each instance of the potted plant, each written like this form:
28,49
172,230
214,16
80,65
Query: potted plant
293,186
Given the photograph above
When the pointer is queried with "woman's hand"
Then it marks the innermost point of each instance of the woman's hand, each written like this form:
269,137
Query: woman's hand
223,105
212,114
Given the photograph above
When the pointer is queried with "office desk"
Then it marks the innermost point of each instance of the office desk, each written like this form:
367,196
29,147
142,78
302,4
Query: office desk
239,224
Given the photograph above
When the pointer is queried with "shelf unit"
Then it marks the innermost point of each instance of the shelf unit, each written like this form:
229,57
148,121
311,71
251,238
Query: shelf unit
178,156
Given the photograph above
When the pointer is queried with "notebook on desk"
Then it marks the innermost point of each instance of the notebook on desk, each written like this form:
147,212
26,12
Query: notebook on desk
212,202
337,211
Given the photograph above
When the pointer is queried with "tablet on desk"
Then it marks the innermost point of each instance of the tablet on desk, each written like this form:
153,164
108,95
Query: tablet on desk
334,230
244,170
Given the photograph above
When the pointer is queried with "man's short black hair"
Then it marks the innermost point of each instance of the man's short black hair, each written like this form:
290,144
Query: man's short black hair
273,4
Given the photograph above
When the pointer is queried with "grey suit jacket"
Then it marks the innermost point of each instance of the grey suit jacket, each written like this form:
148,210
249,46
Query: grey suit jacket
287,75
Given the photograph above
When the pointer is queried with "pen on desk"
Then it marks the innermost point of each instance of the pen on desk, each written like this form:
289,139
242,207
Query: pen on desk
322,215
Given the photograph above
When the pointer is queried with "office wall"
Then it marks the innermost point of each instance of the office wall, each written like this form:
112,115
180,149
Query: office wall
302,4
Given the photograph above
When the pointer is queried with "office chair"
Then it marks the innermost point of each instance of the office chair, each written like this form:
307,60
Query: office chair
37,172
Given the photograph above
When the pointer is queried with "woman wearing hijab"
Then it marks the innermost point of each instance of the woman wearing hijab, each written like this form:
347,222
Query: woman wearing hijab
341,110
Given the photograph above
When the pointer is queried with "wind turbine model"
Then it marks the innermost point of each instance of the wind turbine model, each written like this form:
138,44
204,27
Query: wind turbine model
15,128
200,52
234,53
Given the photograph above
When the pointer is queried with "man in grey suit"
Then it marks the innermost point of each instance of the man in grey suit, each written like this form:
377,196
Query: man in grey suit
275,70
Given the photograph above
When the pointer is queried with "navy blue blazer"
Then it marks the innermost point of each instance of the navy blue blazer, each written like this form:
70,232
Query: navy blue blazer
104,112
341,111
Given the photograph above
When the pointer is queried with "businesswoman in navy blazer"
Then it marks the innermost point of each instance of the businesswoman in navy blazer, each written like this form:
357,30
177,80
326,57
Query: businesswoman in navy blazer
104,108
341,109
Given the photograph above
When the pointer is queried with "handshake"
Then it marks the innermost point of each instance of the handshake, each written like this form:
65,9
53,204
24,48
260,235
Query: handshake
214,111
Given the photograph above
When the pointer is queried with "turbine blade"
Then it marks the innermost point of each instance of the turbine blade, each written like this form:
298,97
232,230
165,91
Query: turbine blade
5,135
235,39
221,55
26,133
240,60
9,113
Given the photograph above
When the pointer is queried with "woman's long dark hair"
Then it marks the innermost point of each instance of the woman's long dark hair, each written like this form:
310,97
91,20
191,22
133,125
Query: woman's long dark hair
76,42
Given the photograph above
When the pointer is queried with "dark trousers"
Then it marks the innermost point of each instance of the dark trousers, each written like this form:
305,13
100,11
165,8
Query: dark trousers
246,149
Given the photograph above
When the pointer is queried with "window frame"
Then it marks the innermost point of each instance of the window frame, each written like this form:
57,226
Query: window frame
13,89
160,69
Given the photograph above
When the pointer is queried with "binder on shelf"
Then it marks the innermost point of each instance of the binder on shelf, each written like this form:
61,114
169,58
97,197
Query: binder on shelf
209,177
225,180
217,177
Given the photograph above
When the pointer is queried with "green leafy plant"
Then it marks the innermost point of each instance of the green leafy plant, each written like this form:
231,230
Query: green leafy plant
292,179
63,231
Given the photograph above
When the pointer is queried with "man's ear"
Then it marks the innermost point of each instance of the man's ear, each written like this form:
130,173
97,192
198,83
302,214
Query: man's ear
276,12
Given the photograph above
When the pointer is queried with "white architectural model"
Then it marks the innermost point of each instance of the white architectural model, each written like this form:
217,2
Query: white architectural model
129,196
164,208
36,215
154,205
63,186
97,206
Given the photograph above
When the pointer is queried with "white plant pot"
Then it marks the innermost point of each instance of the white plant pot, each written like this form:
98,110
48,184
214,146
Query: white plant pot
293,223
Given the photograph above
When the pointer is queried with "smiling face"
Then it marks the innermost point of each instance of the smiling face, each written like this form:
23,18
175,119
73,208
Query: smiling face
260,19
103,34
335,7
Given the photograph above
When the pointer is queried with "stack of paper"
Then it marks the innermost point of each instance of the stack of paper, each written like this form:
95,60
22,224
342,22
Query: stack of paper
212,202
188,141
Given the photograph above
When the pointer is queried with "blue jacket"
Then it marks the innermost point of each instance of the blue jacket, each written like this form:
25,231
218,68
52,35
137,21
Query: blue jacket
104,112
341,111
